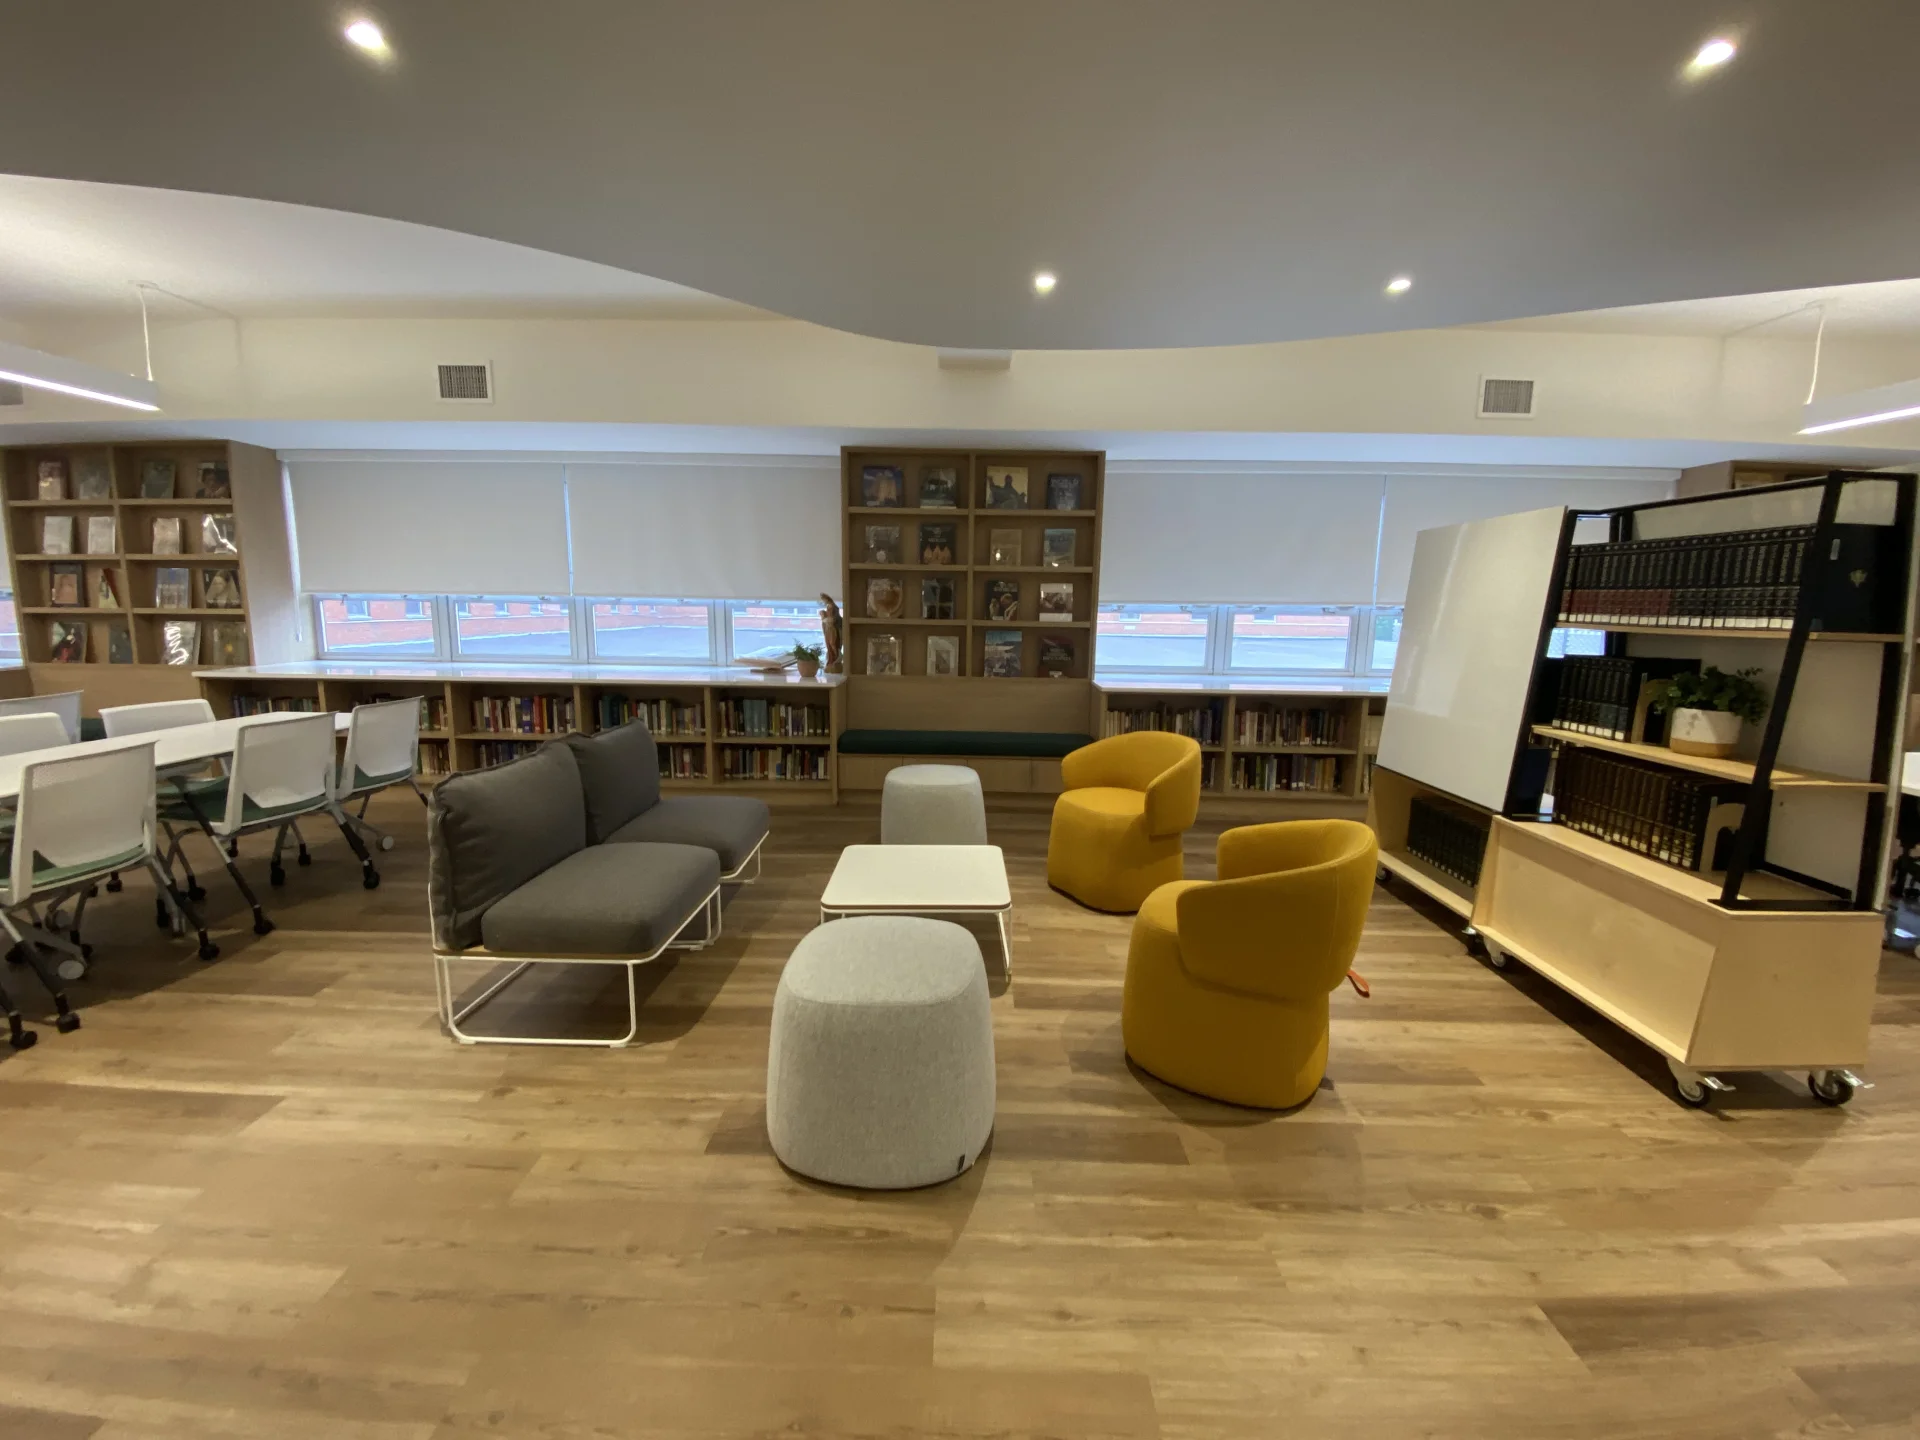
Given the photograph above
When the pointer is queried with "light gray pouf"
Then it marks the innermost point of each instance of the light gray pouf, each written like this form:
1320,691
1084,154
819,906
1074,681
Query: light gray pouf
932,805
880,1069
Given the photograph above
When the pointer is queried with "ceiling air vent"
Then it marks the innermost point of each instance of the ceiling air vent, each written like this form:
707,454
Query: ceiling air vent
1506,399
472,383
12,392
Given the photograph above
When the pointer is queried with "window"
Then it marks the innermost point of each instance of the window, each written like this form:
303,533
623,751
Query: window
506,628
1290,637
658,630
755,626
374,625
9,629
1154,637
1386,639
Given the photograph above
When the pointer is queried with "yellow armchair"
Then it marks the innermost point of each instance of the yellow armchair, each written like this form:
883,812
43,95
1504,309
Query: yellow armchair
1227,980
1117,828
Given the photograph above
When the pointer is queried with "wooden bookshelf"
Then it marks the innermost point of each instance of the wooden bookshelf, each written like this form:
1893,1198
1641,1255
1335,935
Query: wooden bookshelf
687,709
134,628
1784,777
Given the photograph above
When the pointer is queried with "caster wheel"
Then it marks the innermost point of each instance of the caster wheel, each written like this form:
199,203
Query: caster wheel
86,950
371,880
263,926
277,875
305,858
71,969
1497,958
196,892
386,842
161,916
67,1024
1830,1087
25,1040
114,887
1692,1093
209,950
1476,946
1379,874
16,956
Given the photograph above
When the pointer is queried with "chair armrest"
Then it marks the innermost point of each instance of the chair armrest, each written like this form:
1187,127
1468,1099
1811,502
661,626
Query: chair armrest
1278,845
1173,796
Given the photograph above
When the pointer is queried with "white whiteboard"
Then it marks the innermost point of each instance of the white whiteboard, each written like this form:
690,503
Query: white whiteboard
1475,602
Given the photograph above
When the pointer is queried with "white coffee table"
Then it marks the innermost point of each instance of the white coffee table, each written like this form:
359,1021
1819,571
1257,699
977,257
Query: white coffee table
933,880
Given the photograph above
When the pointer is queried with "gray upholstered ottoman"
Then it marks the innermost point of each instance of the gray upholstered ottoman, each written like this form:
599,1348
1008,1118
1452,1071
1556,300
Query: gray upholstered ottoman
932,805
880,1070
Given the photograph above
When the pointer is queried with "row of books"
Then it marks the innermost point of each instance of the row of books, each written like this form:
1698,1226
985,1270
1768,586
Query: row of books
1312,726
1198,722
1209,772
179,642
488,753
683,762
1008,487
1648,809
1451,839
526,714
775,718
887,600
1745,579
58,535
939,545
663,717
92,479
1600,694
1288,772
774,762
275,705
1003,655
434,759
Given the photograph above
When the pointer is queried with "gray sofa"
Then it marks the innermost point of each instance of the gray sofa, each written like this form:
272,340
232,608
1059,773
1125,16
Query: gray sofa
570,856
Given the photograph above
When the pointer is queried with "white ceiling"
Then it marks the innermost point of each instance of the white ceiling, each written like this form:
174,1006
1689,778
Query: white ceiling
78,248
1208,172
1886,309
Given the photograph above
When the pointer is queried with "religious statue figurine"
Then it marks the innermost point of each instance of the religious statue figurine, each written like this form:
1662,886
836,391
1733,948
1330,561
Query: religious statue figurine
833,630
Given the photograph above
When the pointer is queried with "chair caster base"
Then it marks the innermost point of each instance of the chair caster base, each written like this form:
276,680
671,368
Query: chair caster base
18,1036
114,885
370,881
209,950
67,1024
196,892
263,926
277,875
305,858
16,956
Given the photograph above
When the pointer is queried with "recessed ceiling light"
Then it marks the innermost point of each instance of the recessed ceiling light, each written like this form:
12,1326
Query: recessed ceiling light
1399,285
1712,55
368,37
1043,283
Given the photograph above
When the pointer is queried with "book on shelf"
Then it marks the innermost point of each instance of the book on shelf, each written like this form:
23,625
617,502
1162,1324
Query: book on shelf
433,758
119,644
883,545
774,762
221,585
489,753
1006,487
1003,654
526,714
1056,548
180,642
1448,837
937,543
1063,492
683,762
939,487
1371,724
665,716
67,642
881,485
1683,819
943,655
1003,547
1288,725
171,588
1056,600
106,593
156,479
217,535
214,482
1003,599
936,600
277,704
102,535
92,478
753,718
1319,773
63,584
56,535
1200,722
1056,657
166,535
883,655
1608,696
885,598
50,480
226,643
769,660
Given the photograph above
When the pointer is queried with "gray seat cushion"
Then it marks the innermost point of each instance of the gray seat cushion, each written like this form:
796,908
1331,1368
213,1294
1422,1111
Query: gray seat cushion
620,775
491,831
604,900
728,825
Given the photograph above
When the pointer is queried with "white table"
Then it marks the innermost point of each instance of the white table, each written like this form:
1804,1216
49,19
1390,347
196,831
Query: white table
935,880
182,748
1910,773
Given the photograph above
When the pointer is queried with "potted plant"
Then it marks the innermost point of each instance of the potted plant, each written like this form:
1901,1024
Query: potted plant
1707,708
807,657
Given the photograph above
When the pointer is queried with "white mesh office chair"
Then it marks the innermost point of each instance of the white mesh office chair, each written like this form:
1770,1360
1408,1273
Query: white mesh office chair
38,730
121,720
80,817
383,750
65,704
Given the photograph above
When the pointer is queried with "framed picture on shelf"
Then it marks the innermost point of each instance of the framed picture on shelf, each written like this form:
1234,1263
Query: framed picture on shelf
166,535
883,655
156,479
119,644
51,478
939,487
171,590
1003,547
936,544
1056,548
226,642
221,586
1003,600
936,600
63,584
67,642
56,535
1056,657
1003,655
214,482
1056,600
103,536
943,655
883,545
1063,492
884,598
1006,487
92,479
216,535
881,485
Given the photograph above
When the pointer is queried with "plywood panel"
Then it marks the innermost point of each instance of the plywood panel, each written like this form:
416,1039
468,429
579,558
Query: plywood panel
1789,991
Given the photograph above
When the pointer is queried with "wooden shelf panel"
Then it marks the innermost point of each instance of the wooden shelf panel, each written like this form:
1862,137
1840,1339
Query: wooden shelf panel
1741,770
183,503
1436,884
1703,886
1708,632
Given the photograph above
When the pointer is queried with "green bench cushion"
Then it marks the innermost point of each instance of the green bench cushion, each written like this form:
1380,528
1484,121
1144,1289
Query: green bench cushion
1019,744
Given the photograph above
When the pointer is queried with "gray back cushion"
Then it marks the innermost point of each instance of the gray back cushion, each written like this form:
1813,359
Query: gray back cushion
491,831
620,773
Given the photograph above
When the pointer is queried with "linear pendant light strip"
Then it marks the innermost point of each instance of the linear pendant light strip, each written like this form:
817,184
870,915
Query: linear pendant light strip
1861,407
42,371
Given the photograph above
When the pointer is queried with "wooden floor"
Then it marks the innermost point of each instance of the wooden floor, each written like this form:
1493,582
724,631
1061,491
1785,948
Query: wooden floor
266,1198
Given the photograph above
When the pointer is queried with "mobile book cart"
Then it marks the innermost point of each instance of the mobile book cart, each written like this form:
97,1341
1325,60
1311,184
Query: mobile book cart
1765,957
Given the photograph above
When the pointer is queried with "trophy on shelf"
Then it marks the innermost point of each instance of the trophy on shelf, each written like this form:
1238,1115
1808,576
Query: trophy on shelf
833,632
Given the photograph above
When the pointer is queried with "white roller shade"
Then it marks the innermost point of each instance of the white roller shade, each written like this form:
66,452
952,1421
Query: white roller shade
730,529
1238,537
456,527
1422,502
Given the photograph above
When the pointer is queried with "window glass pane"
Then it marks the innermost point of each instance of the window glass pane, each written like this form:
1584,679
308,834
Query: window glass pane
1290,637
1567,641
774,625
9,628
1386,639
650,630
501,628
1153,637
365,624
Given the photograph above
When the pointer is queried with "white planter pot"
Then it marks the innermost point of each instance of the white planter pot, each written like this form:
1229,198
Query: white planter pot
1704,732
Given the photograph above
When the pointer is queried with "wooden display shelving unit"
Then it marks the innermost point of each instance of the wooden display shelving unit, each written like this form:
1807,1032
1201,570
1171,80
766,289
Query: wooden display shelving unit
705,738
257,507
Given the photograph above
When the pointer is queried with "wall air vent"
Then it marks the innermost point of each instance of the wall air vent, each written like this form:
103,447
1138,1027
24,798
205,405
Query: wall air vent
1506,399
469,383
12,392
